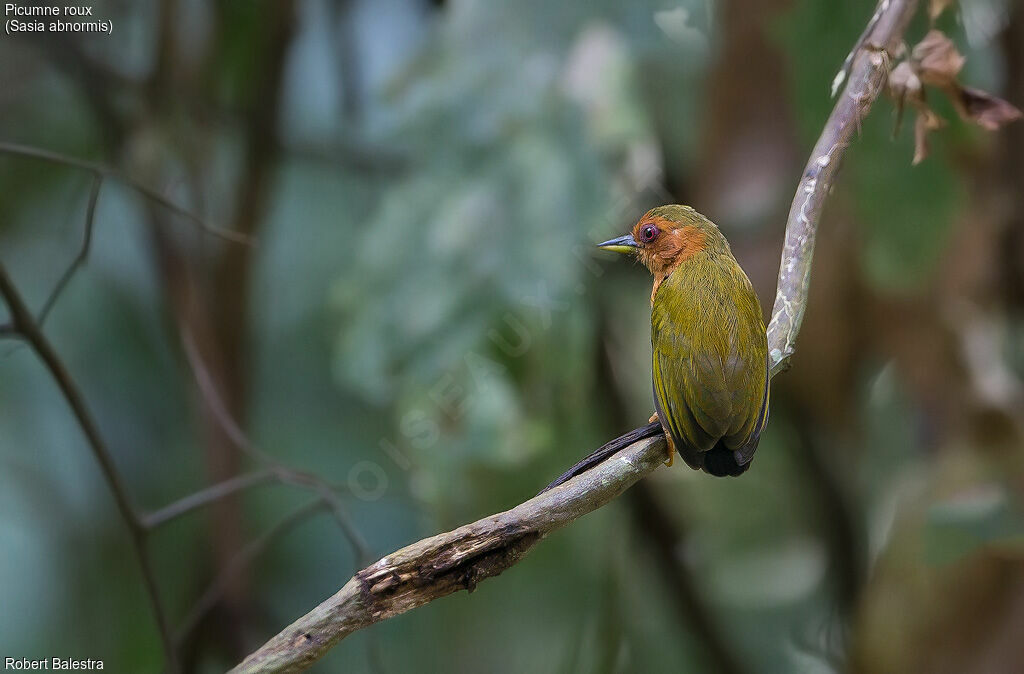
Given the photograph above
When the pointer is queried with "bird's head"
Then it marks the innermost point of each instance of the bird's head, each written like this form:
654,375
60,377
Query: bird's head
667,236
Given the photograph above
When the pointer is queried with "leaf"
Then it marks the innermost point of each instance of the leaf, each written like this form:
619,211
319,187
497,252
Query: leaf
987,111
903,85
926,122
937,59
904,82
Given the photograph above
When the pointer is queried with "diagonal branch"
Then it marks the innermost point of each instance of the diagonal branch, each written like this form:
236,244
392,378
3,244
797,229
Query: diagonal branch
205,497
274,472
26,326
83,252
446,563
243,558
277,470
442,564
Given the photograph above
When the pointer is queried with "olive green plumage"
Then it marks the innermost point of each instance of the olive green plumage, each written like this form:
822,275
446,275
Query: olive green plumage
710,350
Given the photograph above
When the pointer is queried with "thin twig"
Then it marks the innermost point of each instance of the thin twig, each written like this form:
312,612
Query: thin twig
106,171
214,402
243,558
227,424
26,326
348,528
275,474
445,563
206,496
274,471
83,253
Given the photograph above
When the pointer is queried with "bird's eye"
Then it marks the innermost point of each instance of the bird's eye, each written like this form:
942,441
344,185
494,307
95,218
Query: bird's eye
648,233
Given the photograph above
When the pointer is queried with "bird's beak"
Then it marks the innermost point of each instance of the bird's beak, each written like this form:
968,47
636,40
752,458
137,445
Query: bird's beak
624,244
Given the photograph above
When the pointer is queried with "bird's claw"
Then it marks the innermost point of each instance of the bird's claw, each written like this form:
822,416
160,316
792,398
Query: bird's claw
668,439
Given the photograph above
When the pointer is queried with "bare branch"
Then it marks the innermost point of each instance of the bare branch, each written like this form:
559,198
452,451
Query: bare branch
214,402
867,78
243,558
844,71
457,560
83,253
327,500
26,326
148,192
276,474
282,473
442,564
207,496
347,526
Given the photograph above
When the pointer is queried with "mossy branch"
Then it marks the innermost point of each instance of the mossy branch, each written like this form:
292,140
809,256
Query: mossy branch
459,559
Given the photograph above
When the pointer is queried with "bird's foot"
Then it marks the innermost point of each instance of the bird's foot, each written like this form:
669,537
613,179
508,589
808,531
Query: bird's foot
668,439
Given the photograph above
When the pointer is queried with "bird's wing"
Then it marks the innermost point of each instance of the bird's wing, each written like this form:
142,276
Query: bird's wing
749,446
710,364
750,384
684,395
689,438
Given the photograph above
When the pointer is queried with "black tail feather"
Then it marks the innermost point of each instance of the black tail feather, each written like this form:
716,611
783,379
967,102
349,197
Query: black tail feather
605,451
721,462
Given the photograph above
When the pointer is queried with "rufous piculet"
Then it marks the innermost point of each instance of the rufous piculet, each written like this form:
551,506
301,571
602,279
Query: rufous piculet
710,349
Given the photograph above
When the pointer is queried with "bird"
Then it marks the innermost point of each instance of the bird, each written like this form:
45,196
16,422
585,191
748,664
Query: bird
708,338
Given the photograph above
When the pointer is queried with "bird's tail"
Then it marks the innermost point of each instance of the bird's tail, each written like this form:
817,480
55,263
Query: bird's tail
605,451
721,461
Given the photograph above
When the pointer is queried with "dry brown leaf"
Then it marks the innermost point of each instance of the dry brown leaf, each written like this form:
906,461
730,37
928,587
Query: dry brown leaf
987,111
903,85
904,82
937,59
937,7
926,122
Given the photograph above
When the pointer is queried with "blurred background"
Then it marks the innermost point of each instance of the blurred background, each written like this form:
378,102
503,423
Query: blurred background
423,326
